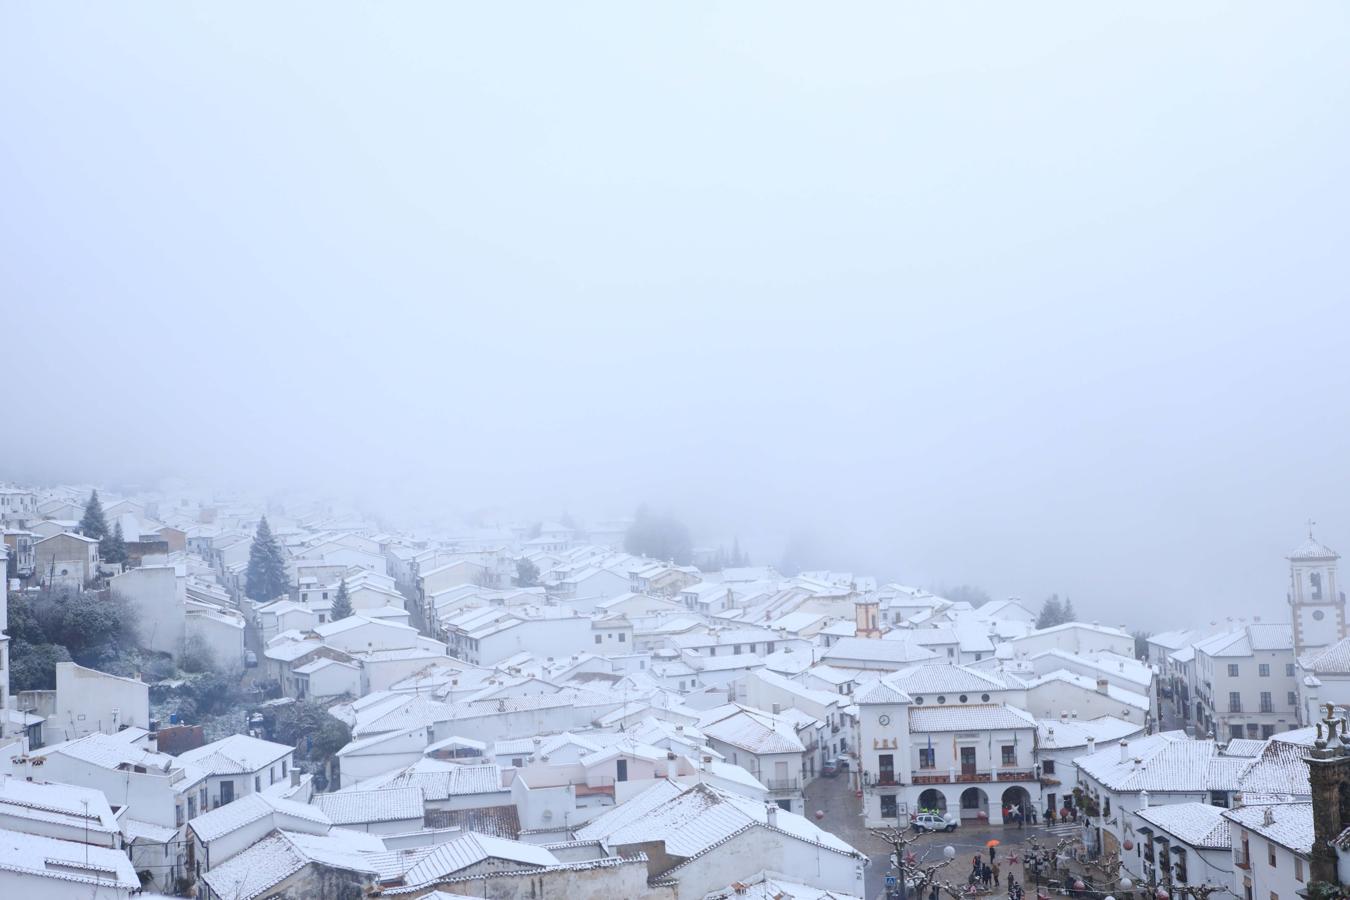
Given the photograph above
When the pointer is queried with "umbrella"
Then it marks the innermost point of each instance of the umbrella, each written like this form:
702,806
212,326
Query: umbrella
991,843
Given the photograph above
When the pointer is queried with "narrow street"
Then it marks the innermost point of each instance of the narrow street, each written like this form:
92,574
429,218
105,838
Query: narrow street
835,797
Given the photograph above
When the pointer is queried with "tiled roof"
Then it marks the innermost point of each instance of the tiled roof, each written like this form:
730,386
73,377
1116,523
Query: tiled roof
238,754
1290,825
471,849
944,679
1279,770
1333,660
495,821
57,804
260,868
1313,549
897,652
1168,762
755,733
439,780
977,717
691,821
1200,825
1060,734
224,819
67,861
363,807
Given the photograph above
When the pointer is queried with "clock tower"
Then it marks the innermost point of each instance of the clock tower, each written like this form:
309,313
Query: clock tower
1315,599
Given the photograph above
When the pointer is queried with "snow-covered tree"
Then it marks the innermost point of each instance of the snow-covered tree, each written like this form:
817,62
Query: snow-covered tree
342,603
266,576
113,547
93,524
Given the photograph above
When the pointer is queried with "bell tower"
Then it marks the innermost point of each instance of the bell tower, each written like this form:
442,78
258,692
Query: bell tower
1315,599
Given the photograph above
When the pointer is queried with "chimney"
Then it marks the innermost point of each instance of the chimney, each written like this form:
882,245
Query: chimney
295,777
1124,751
1103,685
771,815
1267,817
1143,799
1092,745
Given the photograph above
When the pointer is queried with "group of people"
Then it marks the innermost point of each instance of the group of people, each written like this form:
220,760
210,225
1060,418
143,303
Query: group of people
1066,814
984,873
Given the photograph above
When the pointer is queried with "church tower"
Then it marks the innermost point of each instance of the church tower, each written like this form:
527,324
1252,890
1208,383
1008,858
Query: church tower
1315,599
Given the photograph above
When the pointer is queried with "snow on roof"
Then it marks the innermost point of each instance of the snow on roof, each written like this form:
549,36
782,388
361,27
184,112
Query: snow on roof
1291,824
1087,683
441,780
754,732
248,809
1279,769
1333,660
978,717
691,821
934,679
898,652
68,861
1168,761
1197,824
473,848
770,886
58,804
364,807
1061,734
238,754
1312,549
260,868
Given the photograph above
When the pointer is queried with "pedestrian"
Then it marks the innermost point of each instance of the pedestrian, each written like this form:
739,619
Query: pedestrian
986,875
995,874
992,850
1021,817
975,860
1049,815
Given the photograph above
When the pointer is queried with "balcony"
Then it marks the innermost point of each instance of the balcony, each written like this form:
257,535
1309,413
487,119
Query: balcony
782,784
930,777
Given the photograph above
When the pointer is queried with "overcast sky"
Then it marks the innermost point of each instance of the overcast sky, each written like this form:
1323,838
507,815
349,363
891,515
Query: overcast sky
1043,297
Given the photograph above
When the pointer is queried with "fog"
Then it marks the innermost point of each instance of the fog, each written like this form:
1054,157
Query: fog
1046,298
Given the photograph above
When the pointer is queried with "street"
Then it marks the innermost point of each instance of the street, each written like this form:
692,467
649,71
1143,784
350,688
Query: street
835,797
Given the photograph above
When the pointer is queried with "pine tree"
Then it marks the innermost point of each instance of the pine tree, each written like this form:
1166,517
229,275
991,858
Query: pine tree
113,547
527,573
93,524
342,603
1052,613
266,576
1068,615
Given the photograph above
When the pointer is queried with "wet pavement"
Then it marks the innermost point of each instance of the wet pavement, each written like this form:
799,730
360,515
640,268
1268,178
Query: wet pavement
843,818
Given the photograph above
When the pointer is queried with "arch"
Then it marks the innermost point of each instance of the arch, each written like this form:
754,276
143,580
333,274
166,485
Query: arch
1018,797
933,799
974,801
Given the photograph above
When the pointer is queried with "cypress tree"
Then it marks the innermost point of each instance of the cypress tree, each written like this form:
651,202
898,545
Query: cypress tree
93,524
1052,613
342,603
113,547
1067,614
266,576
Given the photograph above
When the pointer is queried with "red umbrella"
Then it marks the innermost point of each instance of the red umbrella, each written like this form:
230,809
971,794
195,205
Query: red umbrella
991,843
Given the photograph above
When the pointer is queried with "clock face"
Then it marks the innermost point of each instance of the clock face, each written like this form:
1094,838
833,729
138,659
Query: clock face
884,720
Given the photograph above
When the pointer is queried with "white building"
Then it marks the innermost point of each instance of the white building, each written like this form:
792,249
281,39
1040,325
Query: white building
1247,682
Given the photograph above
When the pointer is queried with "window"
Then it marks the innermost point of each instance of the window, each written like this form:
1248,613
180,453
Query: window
963,698
1234,701
1315,580
927,758
1267,731
1218,798
888,806
1263,670
1266,704
622,637
886,768
257,782
984,698
737,650
192,808
1232,670
597,638
1289,669
1298,868
1010,754
283,768
1270,854
1293,699
1048,767
178,814
1235,732
951,652
941,699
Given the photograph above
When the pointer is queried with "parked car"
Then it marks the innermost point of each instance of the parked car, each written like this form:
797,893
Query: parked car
250,659
841,763
831,768
933,822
